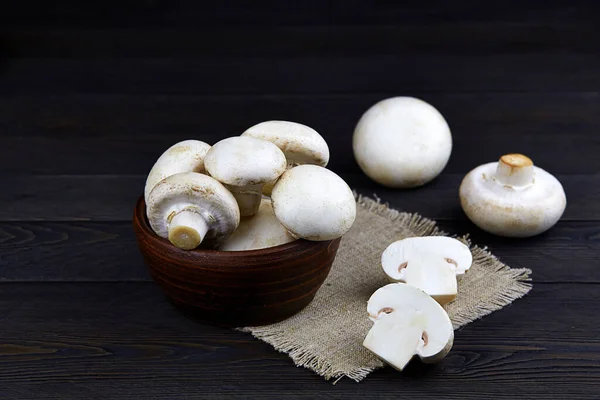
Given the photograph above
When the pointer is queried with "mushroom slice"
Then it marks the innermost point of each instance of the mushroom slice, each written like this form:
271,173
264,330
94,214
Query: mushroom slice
186,156
313,203
245,164
407,322
512,197
301,144
402,142
430,263
259,231
189,207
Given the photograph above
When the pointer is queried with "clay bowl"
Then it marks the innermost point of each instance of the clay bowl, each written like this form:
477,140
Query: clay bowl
235,288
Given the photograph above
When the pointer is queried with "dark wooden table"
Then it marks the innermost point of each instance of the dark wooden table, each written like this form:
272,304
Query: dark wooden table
90,95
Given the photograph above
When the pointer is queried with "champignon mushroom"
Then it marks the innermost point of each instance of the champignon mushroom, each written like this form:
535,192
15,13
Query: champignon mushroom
402,142
301,144
186,156
245,164
259,231
512,197
313,203
407,322
188,207
430,263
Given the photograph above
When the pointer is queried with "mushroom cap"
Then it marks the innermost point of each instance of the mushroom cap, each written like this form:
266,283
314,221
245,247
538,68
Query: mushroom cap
407,322
259,231
244,161
185,156
314,203
195,192
510,210
301,144
402,142
425,250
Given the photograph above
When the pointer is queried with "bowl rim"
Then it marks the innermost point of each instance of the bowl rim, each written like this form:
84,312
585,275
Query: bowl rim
140,218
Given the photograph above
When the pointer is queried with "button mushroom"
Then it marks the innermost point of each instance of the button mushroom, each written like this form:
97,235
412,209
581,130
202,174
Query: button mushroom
259,231
186,156
512,197
245,164
313,203
301,144
402,142
189,207
407,322
430,263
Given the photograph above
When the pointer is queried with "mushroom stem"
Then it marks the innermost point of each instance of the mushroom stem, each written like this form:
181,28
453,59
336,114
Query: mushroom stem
515,170
187,229
248,198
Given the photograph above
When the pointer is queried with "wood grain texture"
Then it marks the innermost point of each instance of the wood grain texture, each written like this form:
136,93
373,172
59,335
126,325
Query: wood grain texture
154,13
316,75
126,341
125,134
275,41
107,251
112,197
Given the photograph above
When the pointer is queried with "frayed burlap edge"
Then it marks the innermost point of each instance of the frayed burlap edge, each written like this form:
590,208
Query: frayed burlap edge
421,226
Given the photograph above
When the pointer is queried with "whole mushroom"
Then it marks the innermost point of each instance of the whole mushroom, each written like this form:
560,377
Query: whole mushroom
185,156
314,203
301,144
512,197
244,165
402,142
260,231
189,207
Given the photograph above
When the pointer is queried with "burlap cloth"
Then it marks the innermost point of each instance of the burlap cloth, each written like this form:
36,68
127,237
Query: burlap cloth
327,336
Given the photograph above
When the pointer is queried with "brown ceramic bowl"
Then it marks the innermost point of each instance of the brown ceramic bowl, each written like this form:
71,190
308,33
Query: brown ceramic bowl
236,288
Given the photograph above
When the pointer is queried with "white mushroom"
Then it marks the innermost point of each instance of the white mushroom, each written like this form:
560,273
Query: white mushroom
314,203
189,207
301,144
245,164
402,142
407,322
512,197
186,156
430,263
259,231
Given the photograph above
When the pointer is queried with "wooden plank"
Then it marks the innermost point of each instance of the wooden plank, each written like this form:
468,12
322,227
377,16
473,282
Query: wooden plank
305,75
125,341
107,251
112,198
238,12
192,42
95,134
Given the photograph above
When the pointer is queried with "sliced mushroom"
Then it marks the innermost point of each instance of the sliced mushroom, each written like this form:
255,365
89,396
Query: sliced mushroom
512,197
407,322
189,207
430,263
314,203
245,164
260,231
301,144
186,156
402,142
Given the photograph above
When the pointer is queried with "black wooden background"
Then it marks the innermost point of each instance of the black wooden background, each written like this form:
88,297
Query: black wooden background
91,94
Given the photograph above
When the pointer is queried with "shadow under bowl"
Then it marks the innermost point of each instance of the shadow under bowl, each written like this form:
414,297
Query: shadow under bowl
235,288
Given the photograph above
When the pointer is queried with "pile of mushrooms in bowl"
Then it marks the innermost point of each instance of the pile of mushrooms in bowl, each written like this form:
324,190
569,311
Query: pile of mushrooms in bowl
244,232
264,188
